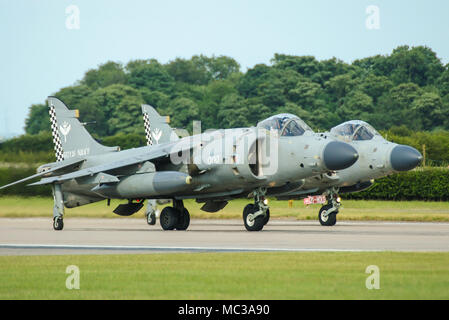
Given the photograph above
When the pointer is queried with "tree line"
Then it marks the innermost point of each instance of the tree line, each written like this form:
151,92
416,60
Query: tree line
408,88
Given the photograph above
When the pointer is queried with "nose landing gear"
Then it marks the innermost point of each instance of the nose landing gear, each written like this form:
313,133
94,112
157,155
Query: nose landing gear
328,213
257,215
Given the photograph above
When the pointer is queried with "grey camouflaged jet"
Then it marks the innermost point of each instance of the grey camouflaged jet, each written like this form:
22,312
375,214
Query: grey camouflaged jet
377,158
213,168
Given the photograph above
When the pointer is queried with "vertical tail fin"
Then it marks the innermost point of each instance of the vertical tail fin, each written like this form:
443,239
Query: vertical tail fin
157,129
70,138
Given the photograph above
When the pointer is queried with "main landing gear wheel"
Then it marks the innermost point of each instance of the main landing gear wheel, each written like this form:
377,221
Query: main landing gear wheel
327,219
183,220
169,218
176,217
58,223
253,224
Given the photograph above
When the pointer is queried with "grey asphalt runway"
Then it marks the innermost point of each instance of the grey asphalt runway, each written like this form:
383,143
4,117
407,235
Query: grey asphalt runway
101,236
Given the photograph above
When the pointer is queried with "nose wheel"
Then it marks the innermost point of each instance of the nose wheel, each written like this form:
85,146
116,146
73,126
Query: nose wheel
327,219
328,213
257,215
251,221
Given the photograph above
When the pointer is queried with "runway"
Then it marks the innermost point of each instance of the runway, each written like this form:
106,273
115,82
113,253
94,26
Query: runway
35,236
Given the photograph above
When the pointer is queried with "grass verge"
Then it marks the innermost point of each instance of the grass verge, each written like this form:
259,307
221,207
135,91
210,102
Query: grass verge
19,207
306,275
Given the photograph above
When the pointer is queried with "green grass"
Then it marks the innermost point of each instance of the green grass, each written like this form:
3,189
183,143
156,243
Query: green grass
227,276
352,210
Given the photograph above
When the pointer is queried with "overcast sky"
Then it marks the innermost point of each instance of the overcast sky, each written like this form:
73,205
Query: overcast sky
43,50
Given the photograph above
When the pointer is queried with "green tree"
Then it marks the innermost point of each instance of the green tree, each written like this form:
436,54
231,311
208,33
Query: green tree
151,75
248,84
339,86
126,117
106,74
232,112
188,71
375,86
72,95
158,100
209,105
107,103
330,68
428,109
357,105
305,93
377,65
38,119
443,82
394,107
419,65
184,111
218,68
305,65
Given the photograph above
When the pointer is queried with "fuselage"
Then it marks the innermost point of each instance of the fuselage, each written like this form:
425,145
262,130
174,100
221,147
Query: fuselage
378,158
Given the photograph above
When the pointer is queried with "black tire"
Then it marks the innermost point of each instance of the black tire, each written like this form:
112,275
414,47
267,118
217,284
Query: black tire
255,225
58,223
331,219
183,220
151,219
168,218
267,217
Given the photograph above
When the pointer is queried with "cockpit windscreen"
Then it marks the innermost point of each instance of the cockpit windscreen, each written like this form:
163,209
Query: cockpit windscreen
355,131
287,125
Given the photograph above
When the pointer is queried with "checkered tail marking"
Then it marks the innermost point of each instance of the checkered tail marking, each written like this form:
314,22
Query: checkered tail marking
146,124
55,132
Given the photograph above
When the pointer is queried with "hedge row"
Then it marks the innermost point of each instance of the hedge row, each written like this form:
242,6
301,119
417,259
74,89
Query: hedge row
8,175
431,184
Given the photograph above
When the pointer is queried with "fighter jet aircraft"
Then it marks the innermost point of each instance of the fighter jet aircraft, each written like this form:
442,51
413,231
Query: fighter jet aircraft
377,158
211,168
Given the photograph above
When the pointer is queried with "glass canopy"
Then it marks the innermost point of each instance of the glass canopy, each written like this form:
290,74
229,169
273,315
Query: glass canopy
287,124
355,130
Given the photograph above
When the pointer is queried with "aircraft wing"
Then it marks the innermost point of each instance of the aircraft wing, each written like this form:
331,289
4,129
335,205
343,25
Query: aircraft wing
153,153
59,168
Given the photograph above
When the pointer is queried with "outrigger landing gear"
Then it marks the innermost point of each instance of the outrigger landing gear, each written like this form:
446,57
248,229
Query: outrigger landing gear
58,208
176,217
257,215
328,213
150,212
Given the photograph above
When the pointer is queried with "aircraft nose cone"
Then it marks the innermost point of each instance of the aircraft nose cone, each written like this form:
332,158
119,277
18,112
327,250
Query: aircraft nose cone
339,155
404,158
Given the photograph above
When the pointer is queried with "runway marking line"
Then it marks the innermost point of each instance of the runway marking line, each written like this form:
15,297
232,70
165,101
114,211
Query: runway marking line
188,249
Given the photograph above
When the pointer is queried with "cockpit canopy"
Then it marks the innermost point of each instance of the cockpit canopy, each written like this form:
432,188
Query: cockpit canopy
355,130
288,125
